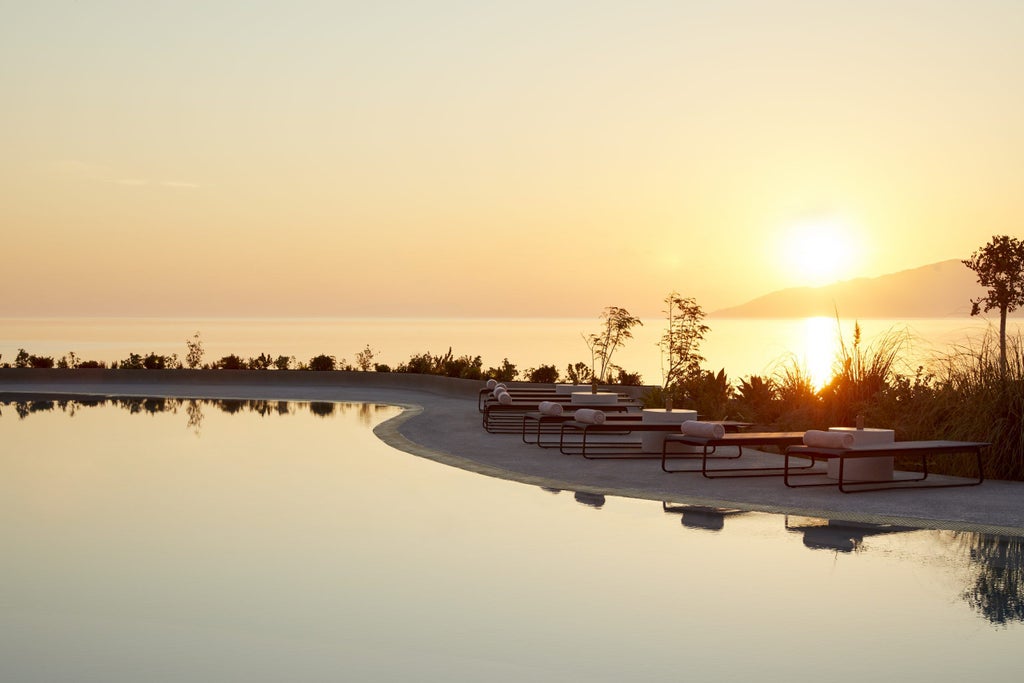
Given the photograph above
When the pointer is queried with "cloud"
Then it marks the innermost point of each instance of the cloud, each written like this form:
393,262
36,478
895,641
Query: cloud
104,174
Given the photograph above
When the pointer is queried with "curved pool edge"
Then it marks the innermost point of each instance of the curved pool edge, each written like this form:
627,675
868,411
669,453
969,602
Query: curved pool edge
390,432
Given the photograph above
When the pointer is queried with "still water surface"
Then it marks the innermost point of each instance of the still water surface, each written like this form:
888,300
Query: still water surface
267,541
742,347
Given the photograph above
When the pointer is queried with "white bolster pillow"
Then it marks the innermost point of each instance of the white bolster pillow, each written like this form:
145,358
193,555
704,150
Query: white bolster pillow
822,439
707,430
589,416
549,408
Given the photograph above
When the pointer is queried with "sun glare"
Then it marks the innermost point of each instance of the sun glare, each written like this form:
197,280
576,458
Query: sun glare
819,251
819,350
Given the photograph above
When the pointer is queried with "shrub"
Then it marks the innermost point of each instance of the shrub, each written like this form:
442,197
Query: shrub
155,362
132,362
756,400
322,363
545,374
41,362
260,362
231,362
506,373
627,378
466,367
579,373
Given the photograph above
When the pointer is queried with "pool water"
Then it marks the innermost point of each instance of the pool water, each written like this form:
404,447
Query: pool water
266,541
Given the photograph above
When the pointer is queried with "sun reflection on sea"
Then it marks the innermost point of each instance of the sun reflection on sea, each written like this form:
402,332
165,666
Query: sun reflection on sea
819,349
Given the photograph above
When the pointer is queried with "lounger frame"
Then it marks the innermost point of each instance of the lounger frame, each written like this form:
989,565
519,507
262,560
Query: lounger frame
922,449
619,450
708,446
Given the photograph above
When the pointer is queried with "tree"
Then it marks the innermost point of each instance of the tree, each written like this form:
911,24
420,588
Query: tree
194,356
680,345
1000,267
364,359
616,326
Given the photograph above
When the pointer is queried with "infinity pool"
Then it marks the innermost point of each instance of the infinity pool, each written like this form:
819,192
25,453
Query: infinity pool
264,541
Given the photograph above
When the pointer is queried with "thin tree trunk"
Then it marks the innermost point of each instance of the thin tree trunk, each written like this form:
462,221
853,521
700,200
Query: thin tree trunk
1002,343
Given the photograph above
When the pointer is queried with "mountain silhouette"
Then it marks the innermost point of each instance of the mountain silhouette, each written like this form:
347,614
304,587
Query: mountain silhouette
938,290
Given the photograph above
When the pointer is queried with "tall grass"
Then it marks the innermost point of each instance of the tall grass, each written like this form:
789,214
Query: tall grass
959,395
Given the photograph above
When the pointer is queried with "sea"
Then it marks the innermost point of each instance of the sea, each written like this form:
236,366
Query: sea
741,347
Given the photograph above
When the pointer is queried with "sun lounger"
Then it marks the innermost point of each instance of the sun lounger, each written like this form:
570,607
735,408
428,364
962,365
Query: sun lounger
618,450
709,445
500,418
486,396
922,449
538,423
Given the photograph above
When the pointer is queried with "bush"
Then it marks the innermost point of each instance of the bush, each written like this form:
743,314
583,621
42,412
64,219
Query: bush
545,374
41,362
260,362
506,373
231,362
132,362
322,363
155,362
466,367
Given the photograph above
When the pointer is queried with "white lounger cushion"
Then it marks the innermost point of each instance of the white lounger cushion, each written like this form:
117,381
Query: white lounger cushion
822,439
707,430
549,408
589,416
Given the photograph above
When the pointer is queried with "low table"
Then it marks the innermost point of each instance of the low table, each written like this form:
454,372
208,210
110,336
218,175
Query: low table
864,469
589,398
654,442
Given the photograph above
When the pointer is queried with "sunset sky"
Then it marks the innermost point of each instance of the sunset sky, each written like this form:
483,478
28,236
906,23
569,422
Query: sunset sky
237,157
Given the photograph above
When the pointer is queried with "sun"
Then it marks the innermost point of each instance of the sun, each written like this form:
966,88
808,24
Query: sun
819,251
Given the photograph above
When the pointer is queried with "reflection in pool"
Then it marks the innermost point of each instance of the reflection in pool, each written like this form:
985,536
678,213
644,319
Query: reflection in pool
270,541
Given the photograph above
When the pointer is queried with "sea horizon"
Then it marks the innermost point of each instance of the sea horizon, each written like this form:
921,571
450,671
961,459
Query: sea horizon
741,346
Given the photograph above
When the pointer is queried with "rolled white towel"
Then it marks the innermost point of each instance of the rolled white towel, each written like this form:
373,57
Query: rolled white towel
707,430
491,383
823,439
504,398
549,408
589,416
500,385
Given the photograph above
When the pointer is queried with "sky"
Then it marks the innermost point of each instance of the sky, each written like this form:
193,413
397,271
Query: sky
491,159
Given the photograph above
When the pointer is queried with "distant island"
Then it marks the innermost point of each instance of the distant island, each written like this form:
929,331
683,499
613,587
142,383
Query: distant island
938,290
